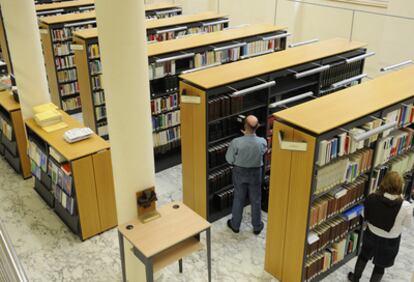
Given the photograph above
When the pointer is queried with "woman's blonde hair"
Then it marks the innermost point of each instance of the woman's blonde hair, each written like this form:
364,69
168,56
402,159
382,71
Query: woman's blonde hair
392,183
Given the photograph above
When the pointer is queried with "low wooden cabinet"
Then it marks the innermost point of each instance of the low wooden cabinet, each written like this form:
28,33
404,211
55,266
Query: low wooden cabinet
75,180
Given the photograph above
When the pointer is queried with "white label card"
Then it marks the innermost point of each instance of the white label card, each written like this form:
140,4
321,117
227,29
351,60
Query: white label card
76,47
190,99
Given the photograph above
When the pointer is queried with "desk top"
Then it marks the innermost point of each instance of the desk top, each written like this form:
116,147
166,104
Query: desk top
337,109
174,226
7,101
73,151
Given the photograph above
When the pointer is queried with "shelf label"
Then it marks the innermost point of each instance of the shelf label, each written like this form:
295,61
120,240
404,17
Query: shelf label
292,146
76,47
190,99
43,31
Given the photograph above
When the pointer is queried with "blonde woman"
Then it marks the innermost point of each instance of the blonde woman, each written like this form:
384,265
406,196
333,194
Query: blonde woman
386,213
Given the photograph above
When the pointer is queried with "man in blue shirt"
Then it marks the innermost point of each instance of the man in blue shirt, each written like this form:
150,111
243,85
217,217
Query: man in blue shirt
245,154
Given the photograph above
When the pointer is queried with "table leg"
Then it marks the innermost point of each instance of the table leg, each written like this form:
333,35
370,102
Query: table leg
122,251
149,270
180,265
209,254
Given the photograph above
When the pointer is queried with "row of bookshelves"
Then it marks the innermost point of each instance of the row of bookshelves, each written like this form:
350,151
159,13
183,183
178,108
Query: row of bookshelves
67,75
54,173
334,254
375,137
171,135
64,33
164,104
68,89
179,32
336,202
72,104
63,63
163,121
218,55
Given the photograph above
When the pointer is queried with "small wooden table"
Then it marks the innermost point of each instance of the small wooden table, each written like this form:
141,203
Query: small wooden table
165,240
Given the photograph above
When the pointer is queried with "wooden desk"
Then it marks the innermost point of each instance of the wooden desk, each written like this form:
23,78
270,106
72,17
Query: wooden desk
165,240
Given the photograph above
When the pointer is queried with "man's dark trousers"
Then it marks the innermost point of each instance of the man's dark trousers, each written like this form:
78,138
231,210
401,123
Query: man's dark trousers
247,181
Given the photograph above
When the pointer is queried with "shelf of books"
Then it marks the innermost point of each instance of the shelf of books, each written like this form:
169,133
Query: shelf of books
214,101
56,35
73,179
4,46
185,25
66,7
13,142
327,156
166,61
152,11
162,10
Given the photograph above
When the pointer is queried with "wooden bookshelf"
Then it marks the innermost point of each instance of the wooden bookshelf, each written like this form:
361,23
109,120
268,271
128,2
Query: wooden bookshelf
159,10
262,81
84,196
4,46
66,7
13,142
294,179
165,87
56,31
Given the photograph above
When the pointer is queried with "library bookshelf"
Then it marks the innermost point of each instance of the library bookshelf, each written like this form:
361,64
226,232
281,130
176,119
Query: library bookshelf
13,141
56,34
213,102
73,179
152,11
66,7
302,245
186,54
4,46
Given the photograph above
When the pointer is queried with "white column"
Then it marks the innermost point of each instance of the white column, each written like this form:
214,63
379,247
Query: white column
122,42
23,38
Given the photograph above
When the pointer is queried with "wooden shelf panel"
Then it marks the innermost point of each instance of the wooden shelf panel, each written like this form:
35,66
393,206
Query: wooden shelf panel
160,6
67,18
63,5
352,103
199,40
211,38
161,23
185,19
7,101
257,66
69,151
173,254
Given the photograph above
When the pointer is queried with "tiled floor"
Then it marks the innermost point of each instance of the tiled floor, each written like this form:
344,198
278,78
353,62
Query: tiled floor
50,252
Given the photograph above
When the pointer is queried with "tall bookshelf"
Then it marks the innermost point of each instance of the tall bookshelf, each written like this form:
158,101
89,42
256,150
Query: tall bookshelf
13,143
187,54
75,180
65,7
367,115
56,35
212,101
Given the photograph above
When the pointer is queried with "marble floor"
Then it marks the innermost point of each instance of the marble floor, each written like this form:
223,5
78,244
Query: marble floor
50,252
